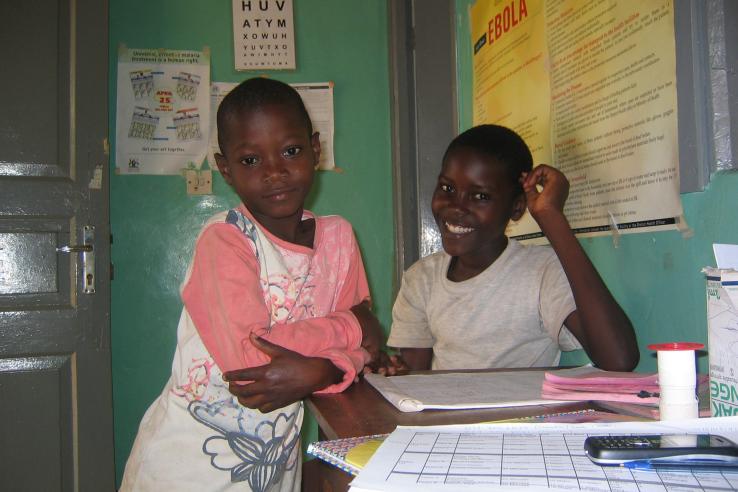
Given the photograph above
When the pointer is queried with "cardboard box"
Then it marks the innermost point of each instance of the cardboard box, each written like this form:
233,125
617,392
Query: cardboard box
722,339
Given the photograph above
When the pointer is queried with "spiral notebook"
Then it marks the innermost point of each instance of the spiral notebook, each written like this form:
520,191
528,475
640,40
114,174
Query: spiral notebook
349,454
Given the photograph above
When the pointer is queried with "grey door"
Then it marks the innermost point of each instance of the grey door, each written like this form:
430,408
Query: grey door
55,390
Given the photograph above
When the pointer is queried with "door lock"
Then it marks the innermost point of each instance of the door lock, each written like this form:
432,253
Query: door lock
88,257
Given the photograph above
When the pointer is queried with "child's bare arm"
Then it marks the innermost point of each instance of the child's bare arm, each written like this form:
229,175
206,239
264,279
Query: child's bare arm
599,323
287,378
371,331
417,359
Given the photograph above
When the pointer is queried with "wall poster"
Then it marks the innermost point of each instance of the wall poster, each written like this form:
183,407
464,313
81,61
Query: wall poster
263,35
591,86
163,111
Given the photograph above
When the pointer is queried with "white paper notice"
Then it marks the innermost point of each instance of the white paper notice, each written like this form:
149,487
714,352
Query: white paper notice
218,91
538,456
318,99
163,113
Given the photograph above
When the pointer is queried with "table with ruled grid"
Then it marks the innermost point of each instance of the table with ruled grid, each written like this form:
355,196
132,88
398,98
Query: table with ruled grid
536,460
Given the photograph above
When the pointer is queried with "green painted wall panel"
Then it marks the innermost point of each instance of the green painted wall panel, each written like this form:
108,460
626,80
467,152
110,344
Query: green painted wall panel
655,276
154,222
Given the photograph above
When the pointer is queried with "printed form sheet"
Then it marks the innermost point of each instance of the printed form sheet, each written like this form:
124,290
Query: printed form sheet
529,457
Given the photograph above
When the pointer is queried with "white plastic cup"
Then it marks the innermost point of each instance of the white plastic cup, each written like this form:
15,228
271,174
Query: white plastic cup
678,411
676,368
677,380
677,395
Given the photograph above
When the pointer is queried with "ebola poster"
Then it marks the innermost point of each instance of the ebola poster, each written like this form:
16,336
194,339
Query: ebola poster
591,86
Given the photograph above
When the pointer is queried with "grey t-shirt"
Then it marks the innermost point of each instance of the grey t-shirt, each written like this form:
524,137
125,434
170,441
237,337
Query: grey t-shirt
510,315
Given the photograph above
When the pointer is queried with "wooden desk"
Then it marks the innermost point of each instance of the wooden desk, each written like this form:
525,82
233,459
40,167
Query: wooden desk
362,411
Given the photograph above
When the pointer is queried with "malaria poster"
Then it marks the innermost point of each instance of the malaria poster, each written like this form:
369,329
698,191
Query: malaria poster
163,110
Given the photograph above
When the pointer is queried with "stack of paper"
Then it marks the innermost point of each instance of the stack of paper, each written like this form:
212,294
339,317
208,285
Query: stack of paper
414,393
628,387
449,391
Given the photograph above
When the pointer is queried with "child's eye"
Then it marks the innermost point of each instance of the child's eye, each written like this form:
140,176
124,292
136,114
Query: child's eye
481,196
249,160
292,151
445,188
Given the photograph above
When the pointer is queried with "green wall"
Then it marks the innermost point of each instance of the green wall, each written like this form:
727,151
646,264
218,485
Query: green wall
154,222
655,276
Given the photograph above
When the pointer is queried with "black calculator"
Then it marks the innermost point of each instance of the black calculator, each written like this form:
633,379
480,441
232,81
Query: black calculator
671,449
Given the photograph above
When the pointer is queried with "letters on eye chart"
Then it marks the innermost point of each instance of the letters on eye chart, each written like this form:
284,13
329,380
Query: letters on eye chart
263,35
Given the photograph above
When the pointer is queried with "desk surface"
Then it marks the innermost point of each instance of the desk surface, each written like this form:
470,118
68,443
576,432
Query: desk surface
362,411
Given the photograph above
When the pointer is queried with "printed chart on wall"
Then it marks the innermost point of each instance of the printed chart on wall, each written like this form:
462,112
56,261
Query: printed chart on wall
591,87
318,100
263,35
163,112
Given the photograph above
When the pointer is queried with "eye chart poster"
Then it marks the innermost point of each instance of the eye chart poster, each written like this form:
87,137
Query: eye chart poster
163,110
263,35
318,100
591,87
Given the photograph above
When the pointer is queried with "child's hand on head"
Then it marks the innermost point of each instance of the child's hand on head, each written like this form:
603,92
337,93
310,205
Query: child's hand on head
553,193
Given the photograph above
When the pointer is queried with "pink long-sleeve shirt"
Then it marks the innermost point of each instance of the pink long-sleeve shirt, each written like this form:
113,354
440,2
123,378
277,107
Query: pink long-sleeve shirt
243,279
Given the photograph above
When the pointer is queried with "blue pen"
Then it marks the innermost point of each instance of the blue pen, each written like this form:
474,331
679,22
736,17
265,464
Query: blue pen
682,466
637,465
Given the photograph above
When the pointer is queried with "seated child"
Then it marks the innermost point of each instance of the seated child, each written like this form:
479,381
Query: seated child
275,294
487,301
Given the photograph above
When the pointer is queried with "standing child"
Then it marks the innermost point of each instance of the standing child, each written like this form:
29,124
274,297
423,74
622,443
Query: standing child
274,294
487,301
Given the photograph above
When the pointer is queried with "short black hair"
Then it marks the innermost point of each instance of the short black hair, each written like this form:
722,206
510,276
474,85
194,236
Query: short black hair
500,143
256,93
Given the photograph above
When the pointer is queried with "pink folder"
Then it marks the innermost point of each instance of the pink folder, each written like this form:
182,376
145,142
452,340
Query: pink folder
595,384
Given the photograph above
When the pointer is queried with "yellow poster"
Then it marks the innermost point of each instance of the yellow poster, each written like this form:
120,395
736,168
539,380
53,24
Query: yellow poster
591,86
511,81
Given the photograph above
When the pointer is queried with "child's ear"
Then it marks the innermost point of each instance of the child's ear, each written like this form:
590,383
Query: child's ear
519,206
225,171
315,144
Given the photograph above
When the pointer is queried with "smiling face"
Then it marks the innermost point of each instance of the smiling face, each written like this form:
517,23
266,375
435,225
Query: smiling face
474,200
269,159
